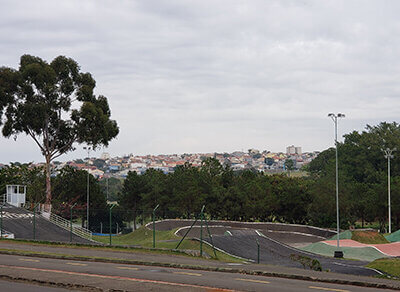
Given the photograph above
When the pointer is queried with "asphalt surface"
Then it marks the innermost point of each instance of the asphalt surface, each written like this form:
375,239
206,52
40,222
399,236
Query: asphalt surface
294,239
20,222
277,243
13,286
156,260
243,243
169,224
108,276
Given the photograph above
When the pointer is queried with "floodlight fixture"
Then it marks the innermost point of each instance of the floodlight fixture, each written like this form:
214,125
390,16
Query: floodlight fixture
334,118
388,155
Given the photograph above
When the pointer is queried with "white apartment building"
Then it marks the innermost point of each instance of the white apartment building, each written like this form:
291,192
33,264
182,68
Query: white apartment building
292,150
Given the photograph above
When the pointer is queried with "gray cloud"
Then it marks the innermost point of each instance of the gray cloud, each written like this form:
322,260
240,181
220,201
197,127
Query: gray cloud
197,76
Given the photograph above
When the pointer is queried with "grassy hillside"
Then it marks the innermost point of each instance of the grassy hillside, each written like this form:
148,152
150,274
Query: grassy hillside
164,239
388,265
368,237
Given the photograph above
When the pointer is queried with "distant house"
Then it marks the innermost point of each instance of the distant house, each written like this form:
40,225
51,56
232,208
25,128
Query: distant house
114,167
96,172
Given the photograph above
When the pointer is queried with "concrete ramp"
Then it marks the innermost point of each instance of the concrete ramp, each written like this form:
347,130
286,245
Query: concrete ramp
19,222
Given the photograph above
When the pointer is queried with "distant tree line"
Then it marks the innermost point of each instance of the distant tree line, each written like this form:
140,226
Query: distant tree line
246,195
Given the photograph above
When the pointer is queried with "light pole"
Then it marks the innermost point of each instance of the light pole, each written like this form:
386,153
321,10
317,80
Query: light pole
87,194
154,225
388,154
334,118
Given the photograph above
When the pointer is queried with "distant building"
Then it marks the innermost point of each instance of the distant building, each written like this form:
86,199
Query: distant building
292,150
105,156
253,151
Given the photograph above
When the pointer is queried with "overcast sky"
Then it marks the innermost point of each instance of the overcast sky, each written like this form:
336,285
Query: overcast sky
217,76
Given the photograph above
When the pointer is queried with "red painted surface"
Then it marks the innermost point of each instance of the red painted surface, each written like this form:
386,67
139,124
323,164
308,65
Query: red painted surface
391,249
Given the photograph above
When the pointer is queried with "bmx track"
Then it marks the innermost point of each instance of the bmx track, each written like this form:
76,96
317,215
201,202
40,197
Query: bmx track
277,242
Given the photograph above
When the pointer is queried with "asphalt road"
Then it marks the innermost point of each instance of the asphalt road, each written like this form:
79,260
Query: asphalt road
23,287
146,278
243,243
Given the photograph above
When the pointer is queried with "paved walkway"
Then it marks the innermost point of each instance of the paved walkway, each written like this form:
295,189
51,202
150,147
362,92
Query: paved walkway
390,249
147,258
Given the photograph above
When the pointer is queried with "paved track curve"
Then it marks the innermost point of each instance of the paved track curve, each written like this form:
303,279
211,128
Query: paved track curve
277,243
243,243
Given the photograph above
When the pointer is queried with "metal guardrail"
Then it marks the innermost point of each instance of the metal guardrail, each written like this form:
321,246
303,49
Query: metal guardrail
66,224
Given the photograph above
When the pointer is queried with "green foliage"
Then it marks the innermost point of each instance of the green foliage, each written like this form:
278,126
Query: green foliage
369,237
113,186
54,104
289,164
252,196
390,266
70,187
362,179
249,196
312,264
24,174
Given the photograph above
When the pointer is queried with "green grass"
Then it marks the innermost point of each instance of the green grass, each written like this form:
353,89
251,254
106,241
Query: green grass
164,239
369,237
142,237
390,266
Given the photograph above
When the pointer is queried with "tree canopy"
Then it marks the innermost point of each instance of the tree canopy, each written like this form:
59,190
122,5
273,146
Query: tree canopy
55,105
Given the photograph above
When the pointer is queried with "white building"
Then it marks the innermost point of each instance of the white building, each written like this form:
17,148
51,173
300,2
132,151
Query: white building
105,156
292,150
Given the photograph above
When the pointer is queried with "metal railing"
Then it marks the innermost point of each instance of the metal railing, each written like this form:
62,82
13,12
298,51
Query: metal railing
66,224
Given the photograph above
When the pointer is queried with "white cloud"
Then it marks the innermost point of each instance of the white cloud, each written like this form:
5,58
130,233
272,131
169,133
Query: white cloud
197,76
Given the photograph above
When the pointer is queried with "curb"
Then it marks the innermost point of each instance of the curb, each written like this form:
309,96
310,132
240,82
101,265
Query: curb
51,284
203,268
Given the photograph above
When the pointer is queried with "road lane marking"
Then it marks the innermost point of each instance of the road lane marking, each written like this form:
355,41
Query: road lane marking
128,268
29,260
251,280
328,289
189,274
114,277
76,264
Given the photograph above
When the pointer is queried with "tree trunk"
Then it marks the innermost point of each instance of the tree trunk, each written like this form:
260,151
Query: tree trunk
362,221
48,184
134,220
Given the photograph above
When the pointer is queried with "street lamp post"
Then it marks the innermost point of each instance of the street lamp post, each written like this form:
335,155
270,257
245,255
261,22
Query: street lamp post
87,191
334,118
388,154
